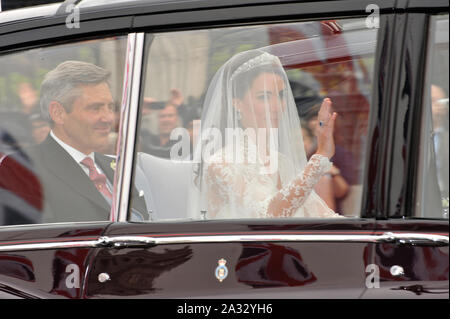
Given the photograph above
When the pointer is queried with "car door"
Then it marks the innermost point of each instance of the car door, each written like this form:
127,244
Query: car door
337,50
46,261
40,258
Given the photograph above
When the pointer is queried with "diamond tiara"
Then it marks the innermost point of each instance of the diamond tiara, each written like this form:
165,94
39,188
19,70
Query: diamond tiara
262,59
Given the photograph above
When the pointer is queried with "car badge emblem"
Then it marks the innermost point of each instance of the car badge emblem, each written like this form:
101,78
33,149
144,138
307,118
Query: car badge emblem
221,270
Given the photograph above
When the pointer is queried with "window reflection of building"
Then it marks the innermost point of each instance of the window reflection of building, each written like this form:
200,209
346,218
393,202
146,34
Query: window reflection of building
177,62
331,57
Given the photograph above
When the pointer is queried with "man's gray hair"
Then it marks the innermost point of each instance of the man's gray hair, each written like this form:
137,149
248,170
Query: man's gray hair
60,84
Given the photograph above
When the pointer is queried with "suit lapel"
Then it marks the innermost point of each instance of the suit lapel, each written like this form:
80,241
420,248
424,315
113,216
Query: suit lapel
58,162
106,164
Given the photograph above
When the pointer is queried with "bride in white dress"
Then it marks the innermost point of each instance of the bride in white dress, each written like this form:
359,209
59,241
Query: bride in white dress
251,154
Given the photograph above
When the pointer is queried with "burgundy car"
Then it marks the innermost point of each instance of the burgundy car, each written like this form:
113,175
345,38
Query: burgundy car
384,64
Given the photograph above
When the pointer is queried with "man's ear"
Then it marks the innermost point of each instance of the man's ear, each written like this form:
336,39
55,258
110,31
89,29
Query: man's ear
57,112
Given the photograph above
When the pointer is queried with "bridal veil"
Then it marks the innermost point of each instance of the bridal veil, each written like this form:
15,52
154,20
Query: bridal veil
250,145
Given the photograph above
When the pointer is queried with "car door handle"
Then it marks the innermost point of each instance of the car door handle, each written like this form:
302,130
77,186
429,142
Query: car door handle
414,239
126,241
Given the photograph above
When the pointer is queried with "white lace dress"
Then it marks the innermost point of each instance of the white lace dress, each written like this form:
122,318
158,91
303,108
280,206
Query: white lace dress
241,191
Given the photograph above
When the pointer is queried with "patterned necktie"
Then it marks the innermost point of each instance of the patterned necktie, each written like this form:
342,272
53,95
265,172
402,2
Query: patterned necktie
98,179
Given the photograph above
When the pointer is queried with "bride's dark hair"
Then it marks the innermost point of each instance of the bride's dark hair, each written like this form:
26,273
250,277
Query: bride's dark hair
242,80
247,78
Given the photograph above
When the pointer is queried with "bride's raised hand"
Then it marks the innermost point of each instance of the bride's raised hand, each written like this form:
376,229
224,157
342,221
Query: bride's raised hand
326,120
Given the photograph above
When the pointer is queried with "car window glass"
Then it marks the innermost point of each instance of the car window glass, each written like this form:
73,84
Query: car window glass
58,130
184,91
432,191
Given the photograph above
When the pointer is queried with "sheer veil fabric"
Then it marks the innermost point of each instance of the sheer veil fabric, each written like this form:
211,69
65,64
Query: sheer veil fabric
251,161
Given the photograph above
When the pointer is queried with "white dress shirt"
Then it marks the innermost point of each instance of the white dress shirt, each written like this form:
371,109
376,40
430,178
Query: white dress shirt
79,156
76,154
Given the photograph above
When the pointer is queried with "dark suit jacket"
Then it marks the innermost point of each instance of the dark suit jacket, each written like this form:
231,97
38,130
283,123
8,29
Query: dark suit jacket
62,191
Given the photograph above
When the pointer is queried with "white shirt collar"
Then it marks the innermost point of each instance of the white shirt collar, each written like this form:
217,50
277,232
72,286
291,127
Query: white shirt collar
76,154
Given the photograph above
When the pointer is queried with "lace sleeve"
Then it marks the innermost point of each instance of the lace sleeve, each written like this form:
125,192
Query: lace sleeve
218,182
287,200
228,189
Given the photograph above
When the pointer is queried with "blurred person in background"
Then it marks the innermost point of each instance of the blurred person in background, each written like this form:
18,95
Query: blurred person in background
159,144
28,97
40,127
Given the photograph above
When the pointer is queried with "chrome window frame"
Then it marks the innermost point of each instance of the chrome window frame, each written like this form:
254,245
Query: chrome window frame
127,127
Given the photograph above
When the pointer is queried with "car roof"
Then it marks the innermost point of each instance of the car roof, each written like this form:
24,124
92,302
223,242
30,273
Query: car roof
134,6
55,9
27,13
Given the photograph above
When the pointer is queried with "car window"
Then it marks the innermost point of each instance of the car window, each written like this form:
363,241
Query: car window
432,190
58,130
190,102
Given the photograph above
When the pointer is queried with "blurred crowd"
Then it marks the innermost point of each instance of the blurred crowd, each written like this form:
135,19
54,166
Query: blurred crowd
160,118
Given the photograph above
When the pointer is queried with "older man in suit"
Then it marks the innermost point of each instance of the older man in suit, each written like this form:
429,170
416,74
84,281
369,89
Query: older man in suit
74,182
